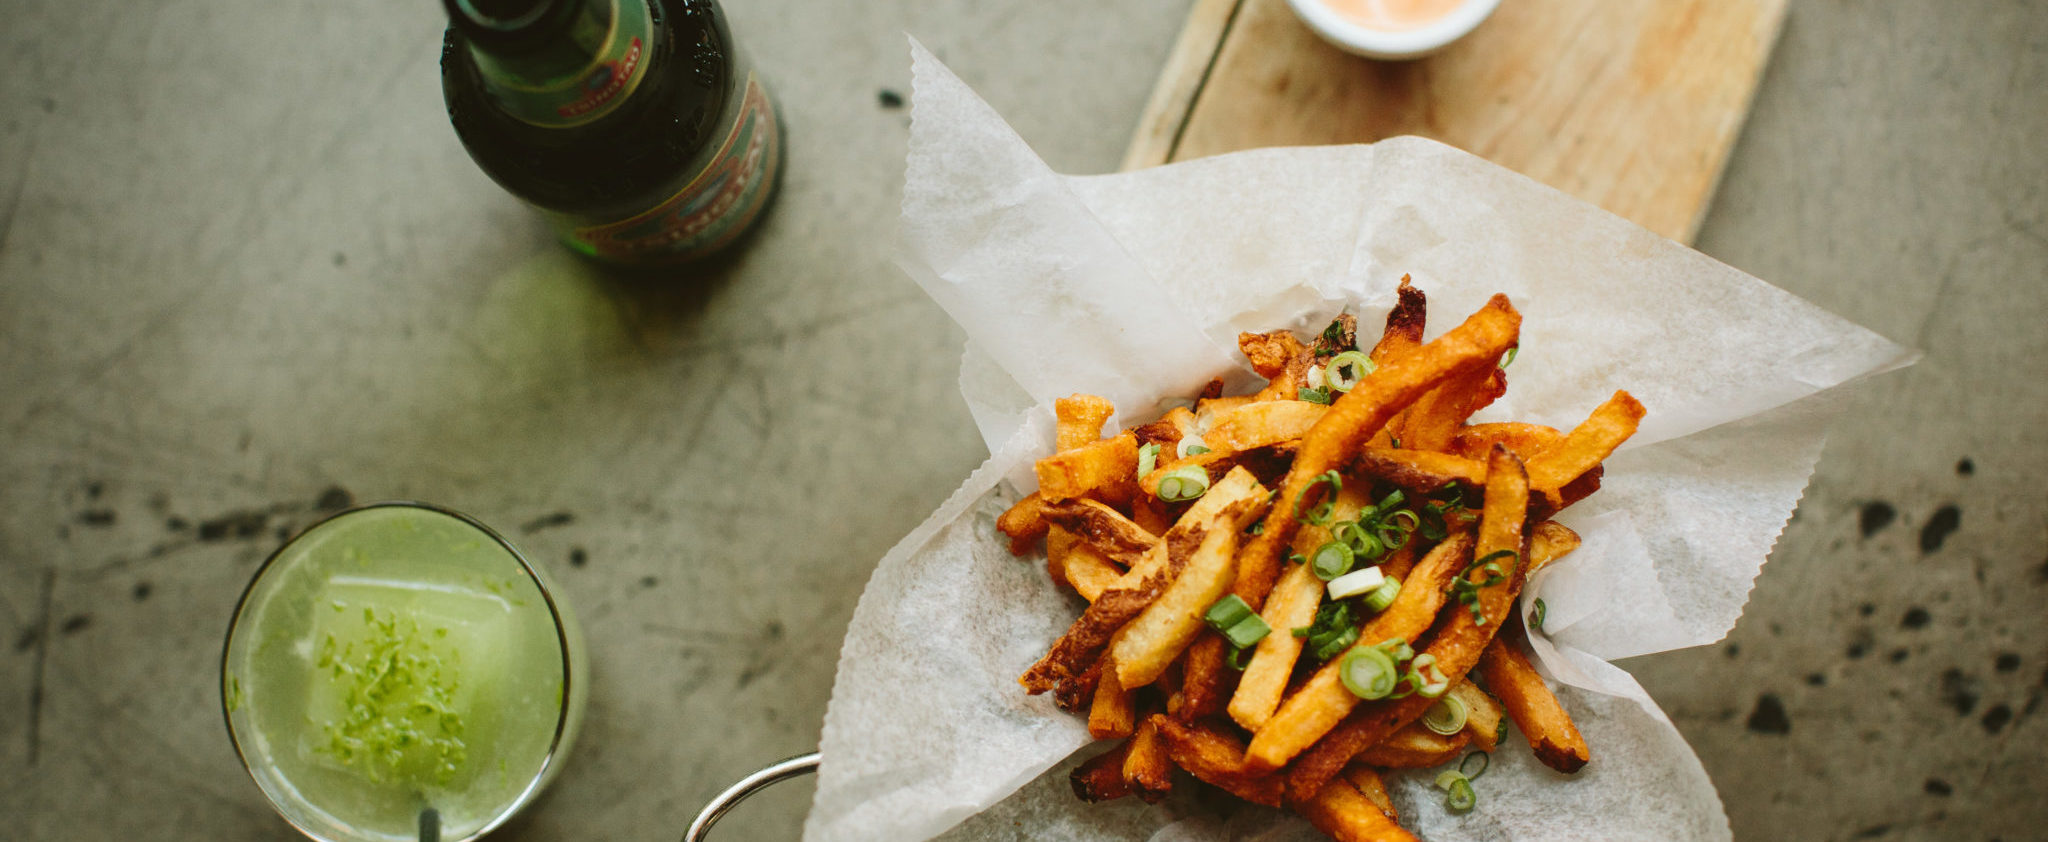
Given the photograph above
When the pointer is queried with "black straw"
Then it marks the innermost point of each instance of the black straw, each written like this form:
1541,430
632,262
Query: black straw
430,825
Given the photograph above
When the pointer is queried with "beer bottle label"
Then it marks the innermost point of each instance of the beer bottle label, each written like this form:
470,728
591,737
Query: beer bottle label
615,69
710,211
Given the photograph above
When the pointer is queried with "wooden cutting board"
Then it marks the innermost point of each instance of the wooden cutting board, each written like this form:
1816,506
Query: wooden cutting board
1630,104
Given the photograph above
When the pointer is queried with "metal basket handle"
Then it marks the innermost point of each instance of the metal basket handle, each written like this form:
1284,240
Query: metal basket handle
733,795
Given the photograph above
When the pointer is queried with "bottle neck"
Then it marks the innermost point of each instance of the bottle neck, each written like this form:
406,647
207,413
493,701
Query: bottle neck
589,62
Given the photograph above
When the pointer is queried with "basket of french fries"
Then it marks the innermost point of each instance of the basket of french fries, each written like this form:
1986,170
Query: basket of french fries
1267,547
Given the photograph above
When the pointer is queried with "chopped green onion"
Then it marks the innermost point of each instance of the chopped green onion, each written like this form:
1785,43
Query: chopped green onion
1485,760
1428,680
1227,612
1315,378
1536,616
1257,529
1333,630
1238,659
1148,458
1458,796
1368,673
1361,542
1510,358
1467,591
1333,335
1384,596
1331,560
1357,582
1346,370
1446,717
1395,443
1313,396
1248,631
1319,515
1396,648
1190,446
1197,450
1185,483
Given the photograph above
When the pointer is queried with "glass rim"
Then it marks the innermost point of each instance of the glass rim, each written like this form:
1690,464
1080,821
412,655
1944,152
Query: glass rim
532,790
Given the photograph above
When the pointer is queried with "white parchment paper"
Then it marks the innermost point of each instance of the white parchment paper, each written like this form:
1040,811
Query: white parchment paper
1134,287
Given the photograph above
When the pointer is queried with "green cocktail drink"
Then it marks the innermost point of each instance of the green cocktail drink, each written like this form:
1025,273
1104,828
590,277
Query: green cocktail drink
397,658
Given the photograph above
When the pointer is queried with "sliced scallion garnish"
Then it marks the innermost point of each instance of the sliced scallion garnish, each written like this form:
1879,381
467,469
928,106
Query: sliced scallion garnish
1185,483
1368,673
1446,717
1345,370
1536,615
1331,560
1384,595
1313,396
1148,458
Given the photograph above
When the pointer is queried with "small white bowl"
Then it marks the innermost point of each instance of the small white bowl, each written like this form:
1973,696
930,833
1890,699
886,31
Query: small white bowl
1365,41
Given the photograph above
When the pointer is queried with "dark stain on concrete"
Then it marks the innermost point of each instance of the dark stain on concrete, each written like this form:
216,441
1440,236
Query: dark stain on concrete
1769,716
547,522
334,499
340,260
141,591
1814,679
1859,643
1866,609
1959,691
2007,661
1965,467
649,581
1996,718
1873,831
1939,527
177,524
578,557
1916,617
1732,650
889,99
76,623
1937,786
248,523
94,489
1897,656
98,517
27,640
1876,515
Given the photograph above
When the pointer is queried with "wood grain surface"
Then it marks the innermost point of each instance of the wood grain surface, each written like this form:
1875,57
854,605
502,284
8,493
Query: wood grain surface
1630,104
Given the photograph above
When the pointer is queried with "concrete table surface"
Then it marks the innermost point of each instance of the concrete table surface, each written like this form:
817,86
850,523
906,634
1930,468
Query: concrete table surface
247,275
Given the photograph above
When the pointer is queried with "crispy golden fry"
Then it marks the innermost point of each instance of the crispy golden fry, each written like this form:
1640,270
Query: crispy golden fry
1530,703
1482,713
1217,758
1415,747
1263,423
1548,542
1367,779
1103,528
1059,543
1101,778
1403,335
1112,715
1207,681
1167,431
1080,419
1291,605
1526,440
1348,814
1103,469
1270,353
1457,645
1587,444
1024,522
1075,693
1419,472
1166,627
1359,414
1088,571
1437,416
1322,701
1147,768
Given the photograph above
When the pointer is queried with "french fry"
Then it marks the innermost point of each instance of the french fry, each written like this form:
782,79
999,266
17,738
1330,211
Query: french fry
1322,701
1348,814
1166,626
1132,592
1263,423
1103,468
1291,605
1217,758
1167,431
1526,440
1403,335
1088,571
1101,778
1024,522
1270,353
1207,681
1482,713
1369,784
1079,420
1415,747
1148,770
1103,528
1587,445
1421,472
1059,543
1359,414
1437,416
1076,693
1548,542
1112,715
1460,641
1530,703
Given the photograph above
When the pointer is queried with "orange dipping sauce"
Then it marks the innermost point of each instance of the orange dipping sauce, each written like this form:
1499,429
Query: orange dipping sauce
1393,15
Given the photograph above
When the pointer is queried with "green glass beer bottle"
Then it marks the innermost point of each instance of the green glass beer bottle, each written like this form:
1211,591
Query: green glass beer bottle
635,125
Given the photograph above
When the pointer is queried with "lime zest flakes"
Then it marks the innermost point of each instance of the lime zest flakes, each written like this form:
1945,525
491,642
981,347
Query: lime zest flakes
399,722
